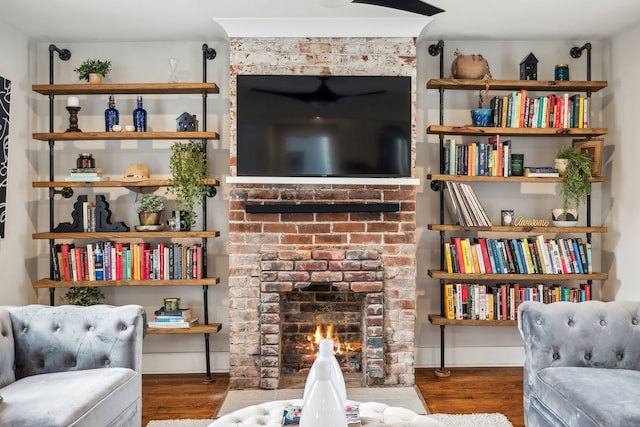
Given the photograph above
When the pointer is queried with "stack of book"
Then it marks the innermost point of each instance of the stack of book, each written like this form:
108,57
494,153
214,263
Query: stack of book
181,318
541,172
85,175
292,413
464,206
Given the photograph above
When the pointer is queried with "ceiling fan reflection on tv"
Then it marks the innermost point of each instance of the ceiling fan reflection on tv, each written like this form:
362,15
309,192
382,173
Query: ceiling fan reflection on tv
321,95
414,6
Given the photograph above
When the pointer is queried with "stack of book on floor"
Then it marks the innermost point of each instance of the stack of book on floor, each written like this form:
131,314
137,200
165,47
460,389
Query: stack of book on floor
181,318
86,175
464,206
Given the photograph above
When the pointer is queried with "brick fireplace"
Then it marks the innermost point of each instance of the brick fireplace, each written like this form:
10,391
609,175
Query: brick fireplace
365,258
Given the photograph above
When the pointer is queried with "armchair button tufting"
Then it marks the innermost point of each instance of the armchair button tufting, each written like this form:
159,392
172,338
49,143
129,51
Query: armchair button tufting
602,323
570,323
587,357
538,322
634,322
618,356
556,356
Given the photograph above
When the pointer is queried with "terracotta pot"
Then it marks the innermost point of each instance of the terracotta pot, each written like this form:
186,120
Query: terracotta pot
470,67
95,79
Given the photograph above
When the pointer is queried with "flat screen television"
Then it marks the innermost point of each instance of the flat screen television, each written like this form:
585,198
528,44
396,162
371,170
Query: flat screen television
323,126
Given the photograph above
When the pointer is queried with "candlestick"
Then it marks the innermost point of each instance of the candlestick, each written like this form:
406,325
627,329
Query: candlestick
73,101
73,119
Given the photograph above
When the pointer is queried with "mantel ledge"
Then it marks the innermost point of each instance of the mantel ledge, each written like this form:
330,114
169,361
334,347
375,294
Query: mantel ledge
320,180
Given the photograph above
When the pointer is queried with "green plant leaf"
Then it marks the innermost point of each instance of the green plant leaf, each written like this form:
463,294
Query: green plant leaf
188,166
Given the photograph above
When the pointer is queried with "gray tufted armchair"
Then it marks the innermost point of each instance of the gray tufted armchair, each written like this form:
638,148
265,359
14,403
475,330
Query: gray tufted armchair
582,363
54,360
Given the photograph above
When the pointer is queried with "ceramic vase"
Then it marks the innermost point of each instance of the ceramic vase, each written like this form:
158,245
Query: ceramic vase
322,406
325,354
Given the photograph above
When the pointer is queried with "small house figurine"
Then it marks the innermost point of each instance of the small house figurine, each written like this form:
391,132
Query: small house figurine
529,68
186,123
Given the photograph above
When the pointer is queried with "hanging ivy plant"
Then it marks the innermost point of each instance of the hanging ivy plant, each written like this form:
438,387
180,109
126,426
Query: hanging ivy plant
188,166
577,178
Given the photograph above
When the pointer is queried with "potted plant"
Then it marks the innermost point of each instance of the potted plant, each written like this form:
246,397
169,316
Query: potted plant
84,296
150,209
188,166
93,70
576,185
482,116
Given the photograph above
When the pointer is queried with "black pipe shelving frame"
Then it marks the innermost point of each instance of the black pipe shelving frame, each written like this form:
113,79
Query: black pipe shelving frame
437,49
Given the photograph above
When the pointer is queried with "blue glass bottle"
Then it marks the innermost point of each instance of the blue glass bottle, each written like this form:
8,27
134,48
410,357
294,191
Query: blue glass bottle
140,117
111,115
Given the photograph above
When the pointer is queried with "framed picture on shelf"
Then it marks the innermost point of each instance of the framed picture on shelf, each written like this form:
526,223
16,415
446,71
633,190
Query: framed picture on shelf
593,148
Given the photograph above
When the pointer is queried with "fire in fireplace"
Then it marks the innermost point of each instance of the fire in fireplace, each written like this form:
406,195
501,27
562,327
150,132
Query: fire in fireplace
348,353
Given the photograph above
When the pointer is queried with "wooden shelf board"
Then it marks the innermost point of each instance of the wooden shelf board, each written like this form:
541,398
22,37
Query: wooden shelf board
505,229
211,328
126,88
92,136
504,179
127,235
440,320
114,183
48,283
530,85
492,130
439,274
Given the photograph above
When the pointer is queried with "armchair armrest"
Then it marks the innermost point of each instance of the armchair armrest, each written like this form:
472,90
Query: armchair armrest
69,338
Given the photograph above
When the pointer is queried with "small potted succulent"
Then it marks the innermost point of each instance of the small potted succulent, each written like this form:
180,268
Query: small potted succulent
150,209
93,70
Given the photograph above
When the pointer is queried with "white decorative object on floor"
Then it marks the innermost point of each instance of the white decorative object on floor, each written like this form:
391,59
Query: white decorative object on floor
323,405
325,353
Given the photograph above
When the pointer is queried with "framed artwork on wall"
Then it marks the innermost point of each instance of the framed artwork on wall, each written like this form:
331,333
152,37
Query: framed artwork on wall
5,97
593,148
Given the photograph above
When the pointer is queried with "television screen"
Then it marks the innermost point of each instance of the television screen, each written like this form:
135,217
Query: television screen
333,126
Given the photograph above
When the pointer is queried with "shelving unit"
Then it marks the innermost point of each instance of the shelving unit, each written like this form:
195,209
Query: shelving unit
437,180
66,189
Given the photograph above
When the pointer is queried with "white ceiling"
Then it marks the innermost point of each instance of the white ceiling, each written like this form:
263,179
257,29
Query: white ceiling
201,20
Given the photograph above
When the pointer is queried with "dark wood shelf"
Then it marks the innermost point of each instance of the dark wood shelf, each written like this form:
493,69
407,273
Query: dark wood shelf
439,274
503,131
126,88
113,183
111,235
514,229
504,179
440,320
211,328
48,283
530,85
120,136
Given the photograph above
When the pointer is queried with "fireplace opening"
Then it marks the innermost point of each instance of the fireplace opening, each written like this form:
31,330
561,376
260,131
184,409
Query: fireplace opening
317,312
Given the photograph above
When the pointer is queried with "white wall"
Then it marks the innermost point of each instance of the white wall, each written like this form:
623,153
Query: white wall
18,257
622,204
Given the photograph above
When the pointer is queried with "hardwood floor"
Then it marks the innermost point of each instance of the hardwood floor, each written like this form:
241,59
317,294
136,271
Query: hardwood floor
467,390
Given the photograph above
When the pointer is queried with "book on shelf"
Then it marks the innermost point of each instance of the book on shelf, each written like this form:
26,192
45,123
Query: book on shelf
475,301
181,315
179,325
72,178
541,172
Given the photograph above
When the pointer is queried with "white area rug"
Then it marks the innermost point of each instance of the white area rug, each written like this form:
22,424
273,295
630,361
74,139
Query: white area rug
473,420
406,397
